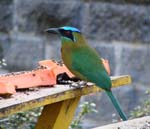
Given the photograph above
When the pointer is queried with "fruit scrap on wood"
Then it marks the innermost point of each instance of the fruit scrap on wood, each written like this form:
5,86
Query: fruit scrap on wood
48,73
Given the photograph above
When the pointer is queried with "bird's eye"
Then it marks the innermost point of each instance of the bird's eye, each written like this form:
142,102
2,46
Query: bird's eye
67,33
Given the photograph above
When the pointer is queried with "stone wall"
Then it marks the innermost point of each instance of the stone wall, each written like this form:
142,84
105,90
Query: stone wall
119,31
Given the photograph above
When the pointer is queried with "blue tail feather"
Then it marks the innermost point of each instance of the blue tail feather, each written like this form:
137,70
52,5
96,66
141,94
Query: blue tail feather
116,105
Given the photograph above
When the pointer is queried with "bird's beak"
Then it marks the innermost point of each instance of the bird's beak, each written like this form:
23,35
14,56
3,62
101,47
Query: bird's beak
52,30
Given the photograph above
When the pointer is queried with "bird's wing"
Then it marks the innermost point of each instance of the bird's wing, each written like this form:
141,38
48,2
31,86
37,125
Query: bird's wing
86,65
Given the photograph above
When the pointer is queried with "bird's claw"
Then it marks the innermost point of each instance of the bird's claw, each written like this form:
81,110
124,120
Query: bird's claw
89,84
74,82
80,84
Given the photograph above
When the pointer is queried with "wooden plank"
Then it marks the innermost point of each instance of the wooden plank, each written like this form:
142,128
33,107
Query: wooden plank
26,100
138,123
58,115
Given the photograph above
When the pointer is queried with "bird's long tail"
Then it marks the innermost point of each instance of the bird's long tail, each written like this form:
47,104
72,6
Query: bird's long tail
116,105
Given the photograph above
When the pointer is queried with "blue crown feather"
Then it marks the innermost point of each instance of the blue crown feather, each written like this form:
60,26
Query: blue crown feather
71,28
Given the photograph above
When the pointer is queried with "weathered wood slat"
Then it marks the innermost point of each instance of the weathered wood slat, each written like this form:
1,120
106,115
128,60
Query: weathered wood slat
138,123
26,100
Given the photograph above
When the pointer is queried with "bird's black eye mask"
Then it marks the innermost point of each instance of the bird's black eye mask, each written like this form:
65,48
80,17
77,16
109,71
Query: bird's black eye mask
67,34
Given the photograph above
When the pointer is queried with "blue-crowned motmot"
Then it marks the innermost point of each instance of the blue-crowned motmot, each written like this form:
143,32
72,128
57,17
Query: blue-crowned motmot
84,62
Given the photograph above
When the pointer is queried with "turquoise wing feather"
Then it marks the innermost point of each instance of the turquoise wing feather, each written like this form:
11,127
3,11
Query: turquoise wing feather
87,62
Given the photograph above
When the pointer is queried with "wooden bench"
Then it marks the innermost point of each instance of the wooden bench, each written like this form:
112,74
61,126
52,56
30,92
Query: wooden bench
60,102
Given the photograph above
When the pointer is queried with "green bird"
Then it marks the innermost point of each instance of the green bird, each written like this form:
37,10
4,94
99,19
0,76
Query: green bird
84,62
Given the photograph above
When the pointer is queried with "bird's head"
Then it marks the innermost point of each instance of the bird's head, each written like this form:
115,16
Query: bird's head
67,33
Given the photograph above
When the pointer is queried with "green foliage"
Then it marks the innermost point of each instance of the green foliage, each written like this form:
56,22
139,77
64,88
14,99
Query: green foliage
86,108
22,120
142,110
2,63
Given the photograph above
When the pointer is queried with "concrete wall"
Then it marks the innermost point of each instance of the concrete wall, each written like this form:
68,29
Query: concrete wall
120,32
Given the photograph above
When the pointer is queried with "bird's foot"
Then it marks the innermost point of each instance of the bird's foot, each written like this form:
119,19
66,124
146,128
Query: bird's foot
74,82
89,84
78,84
81,84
